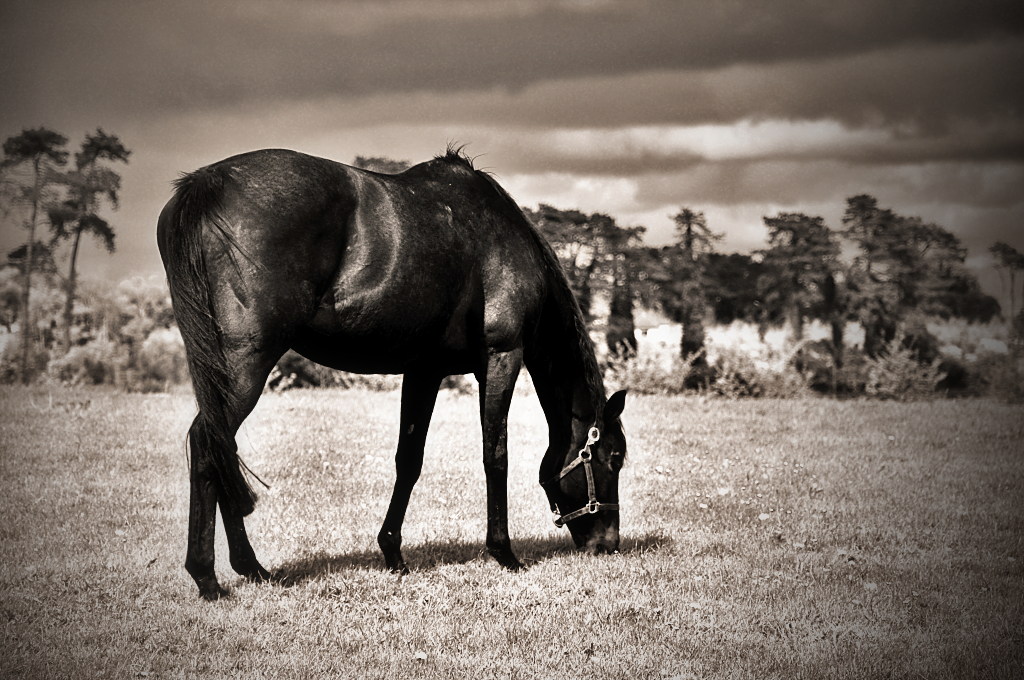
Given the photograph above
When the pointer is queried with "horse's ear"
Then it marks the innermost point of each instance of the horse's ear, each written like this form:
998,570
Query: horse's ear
616,402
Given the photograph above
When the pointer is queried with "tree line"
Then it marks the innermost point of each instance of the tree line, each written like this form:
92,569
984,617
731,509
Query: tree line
899,265
877,268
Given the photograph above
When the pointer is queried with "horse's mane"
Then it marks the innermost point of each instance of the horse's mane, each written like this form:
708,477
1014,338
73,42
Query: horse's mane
554,275
455,154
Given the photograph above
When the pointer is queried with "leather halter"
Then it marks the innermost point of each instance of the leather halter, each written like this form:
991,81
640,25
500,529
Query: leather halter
582,458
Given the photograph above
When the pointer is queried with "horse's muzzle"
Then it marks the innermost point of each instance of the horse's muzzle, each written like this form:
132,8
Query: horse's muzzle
600,548
601,541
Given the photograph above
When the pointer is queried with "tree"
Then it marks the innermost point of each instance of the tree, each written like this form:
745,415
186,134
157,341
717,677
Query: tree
579,241
672,279
731,287
626,272
10,297
881,277
801,257
596,255
686,261
1010,260
681,295
905,264
78,214
692,233
43,261
40,148
943,285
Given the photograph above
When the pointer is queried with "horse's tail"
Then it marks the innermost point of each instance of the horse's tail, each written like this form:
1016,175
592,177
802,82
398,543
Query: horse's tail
197,202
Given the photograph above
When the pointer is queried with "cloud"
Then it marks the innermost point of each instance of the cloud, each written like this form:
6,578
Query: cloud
790,182
632,108
724,61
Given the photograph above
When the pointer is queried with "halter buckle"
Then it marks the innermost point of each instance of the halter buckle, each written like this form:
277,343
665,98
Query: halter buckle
593,507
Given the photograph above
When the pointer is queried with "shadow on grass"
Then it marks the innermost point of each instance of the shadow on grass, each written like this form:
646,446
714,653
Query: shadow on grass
432,554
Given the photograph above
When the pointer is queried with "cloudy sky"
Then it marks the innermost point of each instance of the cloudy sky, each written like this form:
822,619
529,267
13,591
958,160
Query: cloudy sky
738,108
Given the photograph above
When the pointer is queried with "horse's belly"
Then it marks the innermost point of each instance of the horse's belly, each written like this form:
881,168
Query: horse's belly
389,337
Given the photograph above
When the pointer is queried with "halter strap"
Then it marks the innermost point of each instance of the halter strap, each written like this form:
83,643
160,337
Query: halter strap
582,458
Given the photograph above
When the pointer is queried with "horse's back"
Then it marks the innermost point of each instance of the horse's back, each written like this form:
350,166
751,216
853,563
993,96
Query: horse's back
437,270
369,272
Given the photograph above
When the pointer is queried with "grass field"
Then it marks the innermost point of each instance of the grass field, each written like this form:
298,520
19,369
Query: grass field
761,539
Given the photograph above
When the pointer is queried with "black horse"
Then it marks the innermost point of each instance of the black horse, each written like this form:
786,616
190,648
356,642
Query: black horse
428,273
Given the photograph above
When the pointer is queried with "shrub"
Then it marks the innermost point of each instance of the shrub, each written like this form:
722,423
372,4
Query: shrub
296,371
917,338
814,360
366,381
160,362
897,372
736,374
10,361
957,379
1000,376
459,383
647,374
852,376
98,362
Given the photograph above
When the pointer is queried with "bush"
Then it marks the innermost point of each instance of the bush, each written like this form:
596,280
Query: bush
648,375
160,362
10,361
922,343
852,376
735,374
99,362
814,360
296,371
461,384
957,379
898,373
1000,376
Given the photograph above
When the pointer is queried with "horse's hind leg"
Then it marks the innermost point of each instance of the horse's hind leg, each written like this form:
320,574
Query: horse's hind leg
241,555
419,393
202,508
249,371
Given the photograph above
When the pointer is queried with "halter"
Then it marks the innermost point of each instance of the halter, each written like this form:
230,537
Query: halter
593,505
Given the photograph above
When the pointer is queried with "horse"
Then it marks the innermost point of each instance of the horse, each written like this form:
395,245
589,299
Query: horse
431,272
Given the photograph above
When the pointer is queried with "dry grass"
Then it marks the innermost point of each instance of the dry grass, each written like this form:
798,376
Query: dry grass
761,539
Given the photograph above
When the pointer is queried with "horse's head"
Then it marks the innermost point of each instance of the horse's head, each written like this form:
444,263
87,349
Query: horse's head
585,493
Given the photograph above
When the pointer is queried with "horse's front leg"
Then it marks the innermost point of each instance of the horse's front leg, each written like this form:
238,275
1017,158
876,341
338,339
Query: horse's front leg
496,387
419,393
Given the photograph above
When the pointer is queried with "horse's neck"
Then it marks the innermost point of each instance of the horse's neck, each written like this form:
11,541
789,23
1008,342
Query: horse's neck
572,391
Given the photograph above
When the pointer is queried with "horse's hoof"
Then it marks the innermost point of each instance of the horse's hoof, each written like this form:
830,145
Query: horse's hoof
508,560
258,573
250,569
213,593
398,568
